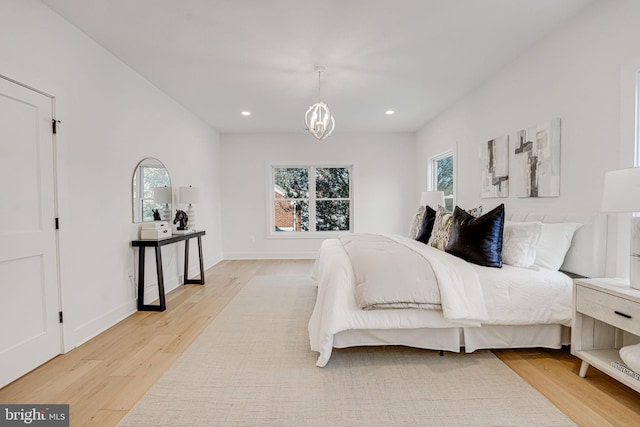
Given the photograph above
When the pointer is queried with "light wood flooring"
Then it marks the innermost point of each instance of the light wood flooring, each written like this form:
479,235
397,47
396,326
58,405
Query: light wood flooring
105,377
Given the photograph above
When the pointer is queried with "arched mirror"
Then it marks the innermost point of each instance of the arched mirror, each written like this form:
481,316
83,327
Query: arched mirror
151,189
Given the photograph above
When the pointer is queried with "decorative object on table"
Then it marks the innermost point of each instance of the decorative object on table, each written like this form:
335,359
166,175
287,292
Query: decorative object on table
495,168
190,195
182,218
156,215
537,161
622,194
318,118
155,230
163,195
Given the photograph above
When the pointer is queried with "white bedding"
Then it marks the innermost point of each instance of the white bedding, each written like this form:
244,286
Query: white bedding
512,296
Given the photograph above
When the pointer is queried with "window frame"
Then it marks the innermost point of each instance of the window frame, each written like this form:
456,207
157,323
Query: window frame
433,174
311,233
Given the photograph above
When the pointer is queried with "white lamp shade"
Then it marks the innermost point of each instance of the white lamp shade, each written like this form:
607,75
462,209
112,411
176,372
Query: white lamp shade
433,199
621,191
189,195
162,194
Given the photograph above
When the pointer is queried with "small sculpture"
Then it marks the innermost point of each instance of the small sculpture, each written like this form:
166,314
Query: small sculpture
156,214
182,218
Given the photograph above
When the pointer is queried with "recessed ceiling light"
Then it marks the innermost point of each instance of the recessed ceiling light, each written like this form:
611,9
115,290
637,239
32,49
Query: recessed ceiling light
246,113
389,112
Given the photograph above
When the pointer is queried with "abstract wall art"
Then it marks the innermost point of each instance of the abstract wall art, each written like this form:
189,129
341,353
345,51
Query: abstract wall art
537,161
495,168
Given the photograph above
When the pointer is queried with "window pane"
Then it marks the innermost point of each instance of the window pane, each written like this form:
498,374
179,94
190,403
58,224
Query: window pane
291,215
444,176
332,183
448,203
332,215
292,183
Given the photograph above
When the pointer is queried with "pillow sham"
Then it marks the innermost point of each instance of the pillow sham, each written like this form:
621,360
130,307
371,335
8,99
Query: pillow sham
555,241
442,226
519,243
441,229
416,221
477,240
428,219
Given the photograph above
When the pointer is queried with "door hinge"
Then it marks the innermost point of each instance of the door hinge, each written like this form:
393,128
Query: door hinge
60,317
57,223
54,125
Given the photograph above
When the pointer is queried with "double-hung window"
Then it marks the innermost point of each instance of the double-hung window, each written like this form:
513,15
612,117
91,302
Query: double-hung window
442,177
310,199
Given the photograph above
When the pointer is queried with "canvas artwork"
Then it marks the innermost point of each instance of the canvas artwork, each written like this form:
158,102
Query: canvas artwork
495,168
537,160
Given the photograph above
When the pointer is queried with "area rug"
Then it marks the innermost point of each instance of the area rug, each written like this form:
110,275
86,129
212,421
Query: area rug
252,366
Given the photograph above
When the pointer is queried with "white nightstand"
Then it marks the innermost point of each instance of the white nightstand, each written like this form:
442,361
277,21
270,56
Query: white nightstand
606,316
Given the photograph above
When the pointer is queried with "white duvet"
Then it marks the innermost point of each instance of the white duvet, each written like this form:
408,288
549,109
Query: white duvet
507,296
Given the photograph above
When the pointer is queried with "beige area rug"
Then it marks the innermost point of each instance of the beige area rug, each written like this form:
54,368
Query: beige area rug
252,366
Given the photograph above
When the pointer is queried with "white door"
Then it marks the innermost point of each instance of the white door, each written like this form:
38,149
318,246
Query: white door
30,332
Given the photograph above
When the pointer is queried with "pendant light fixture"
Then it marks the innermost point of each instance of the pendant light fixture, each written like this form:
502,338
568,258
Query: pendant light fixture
318,118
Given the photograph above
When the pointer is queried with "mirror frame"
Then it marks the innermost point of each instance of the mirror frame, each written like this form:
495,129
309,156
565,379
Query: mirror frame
138,200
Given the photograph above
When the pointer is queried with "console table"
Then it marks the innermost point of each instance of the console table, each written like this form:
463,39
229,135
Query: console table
157,244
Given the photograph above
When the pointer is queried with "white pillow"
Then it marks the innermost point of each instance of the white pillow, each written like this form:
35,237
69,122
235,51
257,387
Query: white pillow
554,243
519,243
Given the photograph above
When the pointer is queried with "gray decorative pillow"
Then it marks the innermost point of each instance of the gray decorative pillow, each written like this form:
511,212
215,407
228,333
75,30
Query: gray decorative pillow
442,226
416,222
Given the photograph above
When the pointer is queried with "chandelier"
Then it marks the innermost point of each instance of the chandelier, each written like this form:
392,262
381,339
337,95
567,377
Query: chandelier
318,118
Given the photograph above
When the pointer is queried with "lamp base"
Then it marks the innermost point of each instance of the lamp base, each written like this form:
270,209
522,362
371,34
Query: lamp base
634,259
191,213
166,213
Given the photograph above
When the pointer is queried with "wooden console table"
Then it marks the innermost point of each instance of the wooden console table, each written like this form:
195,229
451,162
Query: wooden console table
157,244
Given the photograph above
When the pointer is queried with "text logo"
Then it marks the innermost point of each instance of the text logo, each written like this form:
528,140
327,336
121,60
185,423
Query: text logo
34,415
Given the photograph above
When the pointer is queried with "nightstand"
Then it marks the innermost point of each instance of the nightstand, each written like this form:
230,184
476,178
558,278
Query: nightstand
606,316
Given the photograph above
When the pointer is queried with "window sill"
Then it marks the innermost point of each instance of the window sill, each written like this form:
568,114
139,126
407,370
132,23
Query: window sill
307,235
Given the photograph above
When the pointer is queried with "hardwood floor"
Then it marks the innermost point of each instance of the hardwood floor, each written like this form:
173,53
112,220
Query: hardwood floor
105,377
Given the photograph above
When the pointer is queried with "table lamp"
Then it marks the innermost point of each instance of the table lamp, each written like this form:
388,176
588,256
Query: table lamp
190,195
622,194
433,199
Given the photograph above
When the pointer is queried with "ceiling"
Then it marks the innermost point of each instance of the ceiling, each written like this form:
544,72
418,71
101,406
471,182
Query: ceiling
220,57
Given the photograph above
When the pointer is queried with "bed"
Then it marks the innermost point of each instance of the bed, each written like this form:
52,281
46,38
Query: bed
523,306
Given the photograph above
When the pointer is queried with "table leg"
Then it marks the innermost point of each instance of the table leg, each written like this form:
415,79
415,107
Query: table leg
199,281
141,252
583,369
161,297
186,262
201,262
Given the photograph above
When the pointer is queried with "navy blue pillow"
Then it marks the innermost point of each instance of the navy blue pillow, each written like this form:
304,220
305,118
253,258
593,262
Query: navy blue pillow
426,227
477,240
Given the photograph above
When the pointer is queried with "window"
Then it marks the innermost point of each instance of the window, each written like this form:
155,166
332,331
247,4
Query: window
442,177
310,199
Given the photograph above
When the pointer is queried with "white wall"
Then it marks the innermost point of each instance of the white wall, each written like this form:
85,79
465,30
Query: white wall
573,74
384,193
111,119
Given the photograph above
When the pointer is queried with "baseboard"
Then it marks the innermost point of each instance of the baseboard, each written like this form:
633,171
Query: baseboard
95,327
270,255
